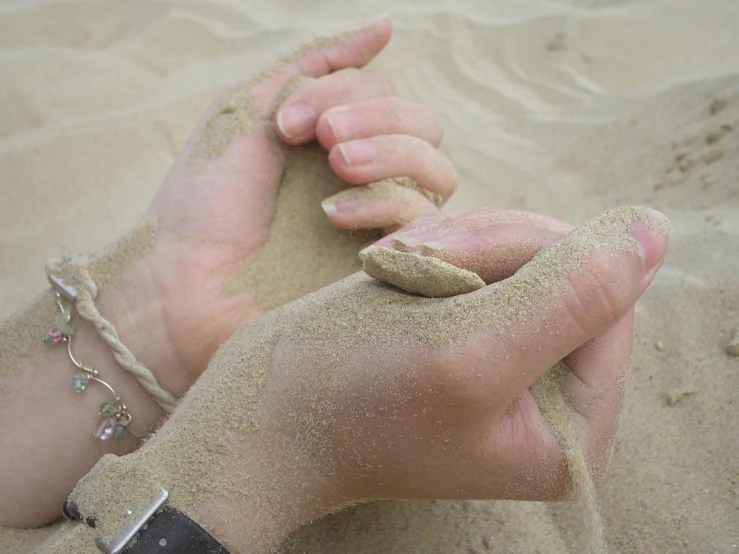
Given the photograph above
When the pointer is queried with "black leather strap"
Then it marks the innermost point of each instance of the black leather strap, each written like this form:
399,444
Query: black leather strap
172,532
167,532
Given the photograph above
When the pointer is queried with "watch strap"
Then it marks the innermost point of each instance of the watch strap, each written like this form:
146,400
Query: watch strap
168,531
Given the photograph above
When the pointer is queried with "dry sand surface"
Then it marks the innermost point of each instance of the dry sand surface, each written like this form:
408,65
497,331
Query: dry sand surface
567,108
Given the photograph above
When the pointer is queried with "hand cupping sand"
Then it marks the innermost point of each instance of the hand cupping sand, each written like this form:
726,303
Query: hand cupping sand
431,277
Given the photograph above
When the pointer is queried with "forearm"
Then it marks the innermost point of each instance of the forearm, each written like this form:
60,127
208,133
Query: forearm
278,493
229,464
46,428
277,497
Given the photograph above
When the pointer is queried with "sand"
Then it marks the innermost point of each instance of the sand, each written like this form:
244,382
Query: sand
273,273
556,412
198,454
19,333
431,277
732,349
632,106
417,274
434,278
301,236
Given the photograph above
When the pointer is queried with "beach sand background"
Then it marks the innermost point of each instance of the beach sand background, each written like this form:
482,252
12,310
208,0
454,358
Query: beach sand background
567,108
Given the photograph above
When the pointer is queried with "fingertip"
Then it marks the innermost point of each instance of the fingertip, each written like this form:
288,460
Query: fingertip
342,213
653,235
366,250
329,209
337,161
384,28
362,44
347,221
282,130
380,205
296,122
325,133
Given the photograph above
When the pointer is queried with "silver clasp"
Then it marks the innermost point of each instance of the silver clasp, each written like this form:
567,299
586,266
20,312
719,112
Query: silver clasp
67,291
129,531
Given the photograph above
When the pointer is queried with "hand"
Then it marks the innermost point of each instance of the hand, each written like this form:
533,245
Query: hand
214,214
217,205
360,391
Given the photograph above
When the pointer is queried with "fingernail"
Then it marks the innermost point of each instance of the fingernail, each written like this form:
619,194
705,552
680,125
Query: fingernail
404,244
344,126
358,152
329,209
445,241
341,207
433,245
653,237
363,252
296,120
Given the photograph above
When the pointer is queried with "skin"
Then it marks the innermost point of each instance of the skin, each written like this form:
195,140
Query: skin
210,219
411,420
462,411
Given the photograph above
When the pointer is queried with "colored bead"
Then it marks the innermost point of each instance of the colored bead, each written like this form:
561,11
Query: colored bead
66,327
80,380
53,336
120,431
108,408
105,429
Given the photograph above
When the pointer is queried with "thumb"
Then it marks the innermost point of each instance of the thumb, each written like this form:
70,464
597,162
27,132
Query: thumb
578,288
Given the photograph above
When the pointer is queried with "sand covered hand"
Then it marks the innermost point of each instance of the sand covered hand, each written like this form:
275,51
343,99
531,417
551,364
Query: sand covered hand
218,204
236,230
361,391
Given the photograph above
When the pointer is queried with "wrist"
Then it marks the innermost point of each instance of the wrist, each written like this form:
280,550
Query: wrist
137,306
132,304
173,312
279,495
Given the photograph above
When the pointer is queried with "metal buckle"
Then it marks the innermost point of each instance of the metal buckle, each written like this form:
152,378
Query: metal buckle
67,291
129,531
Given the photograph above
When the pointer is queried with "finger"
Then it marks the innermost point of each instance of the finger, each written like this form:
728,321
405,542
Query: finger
297,116
602,369
320,57
470,220
378,116
453,223
595,393
368,160
571,292
380,205
494,253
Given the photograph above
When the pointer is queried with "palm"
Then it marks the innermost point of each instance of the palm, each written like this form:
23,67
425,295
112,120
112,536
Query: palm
215,211
228,201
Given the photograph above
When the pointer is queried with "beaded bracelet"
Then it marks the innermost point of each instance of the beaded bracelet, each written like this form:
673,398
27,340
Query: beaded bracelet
115,414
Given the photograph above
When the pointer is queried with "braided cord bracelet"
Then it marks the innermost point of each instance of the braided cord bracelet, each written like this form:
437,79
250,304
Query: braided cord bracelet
115,415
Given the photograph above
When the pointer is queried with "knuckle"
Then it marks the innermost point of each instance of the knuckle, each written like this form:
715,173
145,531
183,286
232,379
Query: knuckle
423,157
596,297
379,82
395,110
